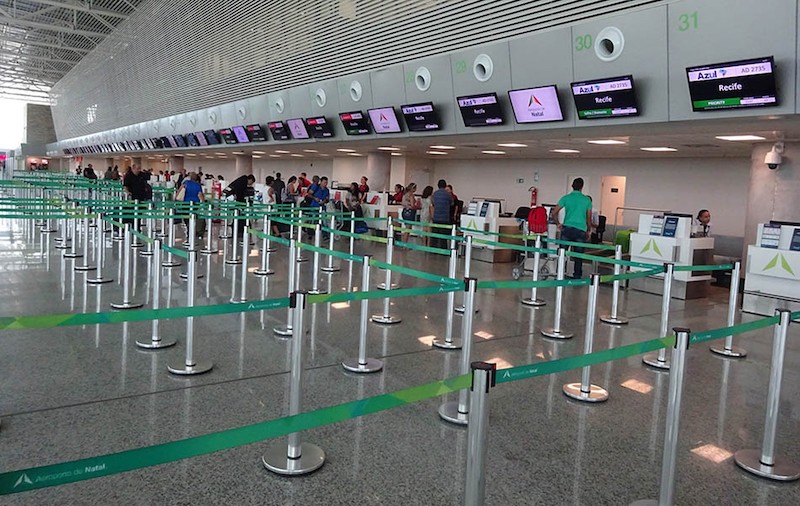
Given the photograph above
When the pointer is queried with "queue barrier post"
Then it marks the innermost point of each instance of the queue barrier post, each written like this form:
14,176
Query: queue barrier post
387,283
533,300
671,429
286,330
126,274
315,289
764,462
116,233
728,349
223,230
266,249
467,263
73,225
209,250
243,279
352,232
150,224
362,364
457,411
156,341
615,318
170,260
585,391
233,260
300,258
448,343
331,237
191,239
659,359
86,265
98,279
484,376
136,243
298,457
556,332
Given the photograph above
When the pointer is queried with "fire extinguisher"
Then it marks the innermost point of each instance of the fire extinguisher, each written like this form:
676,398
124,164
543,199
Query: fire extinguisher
534,195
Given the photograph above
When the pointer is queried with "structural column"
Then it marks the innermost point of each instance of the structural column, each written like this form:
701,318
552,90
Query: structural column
244,165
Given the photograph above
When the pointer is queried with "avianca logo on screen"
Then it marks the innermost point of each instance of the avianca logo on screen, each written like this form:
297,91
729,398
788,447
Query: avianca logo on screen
535,107
383,118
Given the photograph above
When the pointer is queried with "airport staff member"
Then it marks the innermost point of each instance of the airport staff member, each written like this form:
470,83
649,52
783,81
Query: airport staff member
577,220
702,225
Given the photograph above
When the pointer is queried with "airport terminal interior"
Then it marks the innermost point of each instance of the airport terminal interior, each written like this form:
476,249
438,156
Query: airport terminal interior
244,350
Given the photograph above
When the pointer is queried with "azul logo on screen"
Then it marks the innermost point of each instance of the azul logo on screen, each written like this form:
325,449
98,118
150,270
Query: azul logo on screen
714,74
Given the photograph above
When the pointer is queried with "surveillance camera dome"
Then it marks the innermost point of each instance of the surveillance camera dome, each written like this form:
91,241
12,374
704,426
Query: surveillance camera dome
773,159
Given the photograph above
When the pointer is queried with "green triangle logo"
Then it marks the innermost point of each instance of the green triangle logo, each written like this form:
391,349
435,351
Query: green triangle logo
647,246
655,248
785,265
771,264
652,243
471,223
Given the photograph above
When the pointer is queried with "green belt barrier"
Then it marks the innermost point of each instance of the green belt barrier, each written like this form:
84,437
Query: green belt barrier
365,236
710,335
176,251
417,274
429,234
347,217
45,216
421,223
796,315
448,237
610,260
518,247
72,319
580,244
693,268
333,253
262,235
381,294
141,236
538,284
477,231
631,275
420,247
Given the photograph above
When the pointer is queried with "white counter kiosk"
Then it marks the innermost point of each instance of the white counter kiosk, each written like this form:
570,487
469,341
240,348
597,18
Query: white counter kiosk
376,205
772,279
668,238
484,214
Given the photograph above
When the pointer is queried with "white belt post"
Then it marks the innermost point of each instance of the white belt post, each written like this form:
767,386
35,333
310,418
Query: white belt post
330,267
533,300
315,289
728,349
156,341
614,318
126,273
585,391
99,279
556,332
386,318
659,360
209,223
352,231
150,223
243,278
170,261
483,378
286,330
266,249
387,283
362,364
448,343
457,411
467,264
86,265
233,260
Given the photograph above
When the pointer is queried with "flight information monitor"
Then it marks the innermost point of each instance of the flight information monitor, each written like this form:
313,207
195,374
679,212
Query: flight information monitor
279,130
256,133
384,120
614,97
480,110
420,117
298,129
355,123
319,127
534,105
733,85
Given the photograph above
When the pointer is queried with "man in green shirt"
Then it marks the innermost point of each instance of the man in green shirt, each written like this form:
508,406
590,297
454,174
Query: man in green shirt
577,220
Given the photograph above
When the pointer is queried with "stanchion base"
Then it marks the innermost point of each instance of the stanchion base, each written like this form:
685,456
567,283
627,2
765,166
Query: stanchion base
137,245
454,344
84,268
259,272
233,261
235,300
382,286
595,394
533,302
311,458
619,320
371,365
317,291
170,265
734,352
126,305
185,275
156,345
99,281
301,259
782,470
272,249
283,330
449,413
460,309
182,369
556,333
209,251
385,319
73,255
652,360
117,238
61,246
329,269
225,236
146,253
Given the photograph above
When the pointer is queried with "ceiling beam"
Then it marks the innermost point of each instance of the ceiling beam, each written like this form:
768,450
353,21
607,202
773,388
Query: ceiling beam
50,59
14,40
45,26
77,6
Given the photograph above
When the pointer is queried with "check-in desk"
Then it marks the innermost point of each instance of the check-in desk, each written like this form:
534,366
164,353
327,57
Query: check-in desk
663,239
483,215
376,205
772,279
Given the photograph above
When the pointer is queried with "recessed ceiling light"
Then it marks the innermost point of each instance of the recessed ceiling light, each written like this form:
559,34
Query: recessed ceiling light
512,145
190,154
257,156
297,155
493,152
388,148
442,147
436,152
741,138
346,150
324,154
568,151
659,149
310,151
606,142
354,154
282,152
237,152
258,152
219,154
274,156
396,154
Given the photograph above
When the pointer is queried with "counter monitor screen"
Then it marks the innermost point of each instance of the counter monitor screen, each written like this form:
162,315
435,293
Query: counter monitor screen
241,134
228,136
297,129
420,117
320,127
770,235
384,120
201,138
278,130
256,133
191,139
614,97
180,140
211,137
534,105
355,123
480,110
670,226
165,143
733,85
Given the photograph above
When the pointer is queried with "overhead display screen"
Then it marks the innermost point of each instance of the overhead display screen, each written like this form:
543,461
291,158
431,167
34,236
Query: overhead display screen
534,105
227,136
256,133
319,127
211,137
180,140
278,130
420,117
241,134
355,123
733,85
201,138
480,110
191,139
614,97
384,120
298,129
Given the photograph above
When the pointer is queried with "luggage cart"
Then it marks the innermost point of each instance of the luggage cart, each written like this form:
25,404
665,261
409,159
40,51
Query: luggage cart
525,261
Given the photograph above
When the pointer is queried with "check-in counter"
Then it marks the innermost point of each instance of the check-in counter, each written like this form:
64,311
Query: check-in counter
376,205
662,239
484,216
772,278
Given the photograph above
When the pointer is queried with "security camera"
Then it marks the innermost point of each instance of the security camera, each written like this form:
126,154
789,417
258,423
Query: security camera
774,158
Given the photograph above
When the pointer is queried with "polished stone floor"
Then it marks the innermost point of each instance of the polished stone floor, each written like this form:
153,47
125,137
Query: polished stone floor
75,392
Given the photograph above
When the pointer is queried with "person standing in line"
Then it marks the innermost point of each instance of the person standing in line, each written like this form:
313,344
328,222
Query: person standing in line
409,212
577,220
278,186
109,175
426,204
442,200
289,194
241,188
302,181
193,192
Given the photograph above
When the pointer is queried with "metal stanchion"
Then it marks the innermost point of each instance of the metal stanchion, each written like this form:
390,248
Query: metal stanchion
331,237
467,262
457,411
659,360
116,235
151,234
190,366
266,249
192,238
156,341
315,289
299,252
73,253
728,349
208,250
533,300
386,318
136,242
483,378
764,462
448,343
86,265
99,279
62,241
667,490
362,364
170,261
387,283
223,229
298,457
585,391
126,274
556,332
233,260
245,254
352,231
286,330
614,318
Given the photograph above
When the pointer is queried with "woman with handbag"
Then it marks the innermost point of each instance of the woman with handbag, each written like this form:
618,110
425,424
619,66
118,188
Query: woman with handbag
410,206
